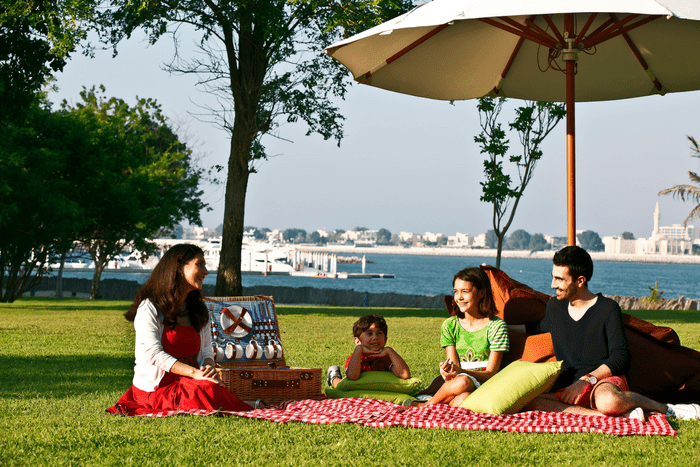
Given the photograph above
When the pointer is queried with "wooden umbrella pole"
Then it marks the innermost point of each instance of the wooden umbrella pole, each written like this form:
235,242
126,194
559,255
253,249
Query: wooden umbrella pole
570,60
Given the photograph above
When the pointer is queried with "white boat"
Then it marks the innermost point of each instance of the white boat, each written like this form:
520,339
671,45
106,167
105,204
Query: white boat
73,261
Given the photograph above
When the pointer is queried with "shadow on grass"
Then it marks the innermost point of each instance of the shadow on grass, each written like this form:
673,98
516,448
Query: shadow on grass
287,310
57,304
64,376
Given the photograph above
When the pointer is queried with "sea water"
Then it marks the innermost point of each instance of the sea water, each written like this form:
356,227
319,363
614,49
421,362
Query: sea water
432,275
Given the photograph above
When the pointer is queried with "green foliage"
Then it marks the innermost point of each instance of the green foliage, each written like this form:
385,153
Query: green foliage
532,122
691,192
134,175
627,236
590,241
65,360
294,235
264,61
538,243
36,39
383,237
518,240
654,295
491,239
40,210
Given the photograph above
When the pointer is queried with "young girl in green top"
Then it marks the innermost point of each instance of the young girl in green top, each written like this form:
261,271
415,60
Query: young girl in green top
474,340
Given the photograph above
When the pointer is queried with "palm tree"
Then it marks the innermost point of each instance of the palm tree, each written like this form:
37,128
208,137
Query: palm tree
688,192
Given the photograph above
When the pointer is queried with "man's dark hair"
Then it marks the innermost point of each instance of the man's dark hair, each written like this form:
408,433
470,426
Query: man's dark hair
364,323
577,260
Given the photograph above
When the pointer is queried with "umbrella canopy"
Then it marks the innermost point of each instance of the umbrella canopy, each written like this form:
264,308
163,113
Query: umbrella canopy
543,50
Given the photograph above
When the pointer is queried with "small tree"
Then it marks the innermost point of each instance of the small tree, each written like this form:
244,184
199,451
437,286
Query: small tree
538,243
590,241
294,235
491,239
627,236
134,176
533,122
689,192
519,240
383,237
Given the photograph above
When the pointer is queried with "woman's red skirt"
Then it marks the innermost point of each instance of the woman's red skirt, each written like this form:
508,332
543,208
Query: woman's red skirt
178,395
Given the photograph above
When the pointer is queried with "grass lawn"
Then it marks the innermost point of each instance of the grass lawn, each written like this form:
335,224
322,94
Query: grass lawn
63,361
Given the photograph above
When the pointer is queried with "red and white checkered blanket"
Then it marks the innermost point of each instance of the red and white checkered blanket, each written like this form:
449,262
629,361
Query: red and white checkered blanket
380,414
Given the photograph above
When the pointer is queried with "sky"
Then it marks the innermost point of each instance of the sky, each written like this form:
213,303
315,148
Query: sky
411,164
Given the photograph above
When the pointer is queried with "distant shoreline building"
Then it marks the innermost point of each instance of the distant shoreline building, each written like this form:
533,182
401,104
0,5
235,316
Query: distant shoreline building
674,240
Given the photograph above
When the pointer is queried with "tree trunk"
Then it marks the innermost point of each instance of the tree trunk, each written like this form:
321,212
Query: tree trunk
95,284
498,251
228,278
59,278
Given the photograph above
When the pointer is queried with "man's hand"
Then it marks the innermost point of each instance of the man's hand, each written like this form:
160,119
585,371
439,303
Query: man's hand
572,394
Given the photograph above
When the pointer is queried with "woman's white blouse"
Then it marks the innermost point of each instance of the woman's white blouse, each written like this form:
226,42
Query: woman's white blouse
151,361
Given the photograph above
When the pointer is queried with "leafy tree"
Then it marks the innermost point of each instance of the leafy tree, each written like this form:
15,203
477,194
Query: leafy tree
533,122
627,236
315,237
538,243
219,230
491,240
518,240
134,175
294,235
689,192
264,60
360,229
39,214
590,241
383,237
36,38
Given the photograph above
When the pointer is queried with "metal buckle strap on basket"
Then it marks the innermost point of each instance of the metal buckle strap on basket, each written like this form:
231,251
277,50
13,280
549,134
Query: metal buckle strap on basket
275,383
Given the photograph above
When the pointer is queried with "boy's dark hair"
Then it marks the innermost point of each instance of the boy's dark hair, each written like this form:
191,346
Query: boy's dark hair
363,324
577,260
479,280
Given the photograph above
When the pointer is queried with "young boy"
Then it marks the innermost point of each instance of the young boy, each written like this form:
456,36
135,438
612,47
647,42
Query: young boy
371,353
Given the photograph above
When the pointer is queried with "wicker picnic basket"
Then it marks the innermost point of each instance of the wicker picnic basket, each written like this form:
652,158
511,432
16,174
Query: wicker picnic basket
249,351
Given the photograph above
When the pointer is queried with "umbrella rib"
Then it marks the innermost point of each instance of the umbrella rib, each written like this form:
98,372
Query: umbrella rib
408,48
541,31
601,28
545,41
610,31
579,38
551,24
497,88
639,57
617,30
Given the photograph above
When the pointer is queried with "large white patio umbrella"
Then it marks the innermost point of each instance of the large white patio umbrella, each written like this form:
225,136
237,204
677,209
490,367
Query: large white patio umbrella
542,50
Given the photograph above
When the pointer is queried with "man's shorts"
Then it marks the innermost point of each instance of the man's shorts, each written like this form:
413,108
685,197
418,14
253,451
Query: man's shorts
585,401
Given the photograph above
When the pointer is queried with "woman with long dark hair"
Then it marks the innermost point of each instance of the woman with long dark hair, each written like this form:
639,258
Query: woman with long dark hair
174,371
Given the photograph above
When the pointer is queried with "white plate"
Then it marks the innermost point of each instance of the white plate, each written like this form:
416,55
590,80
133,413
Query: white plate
226,322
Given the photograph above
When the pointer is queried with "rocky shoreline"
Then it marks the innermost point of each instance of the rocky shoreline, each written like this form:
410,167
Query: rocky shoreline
120,289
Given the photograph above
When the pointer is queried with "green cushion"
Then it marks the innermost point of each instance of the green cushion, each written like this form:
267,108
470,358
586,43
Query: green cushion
385,381
513,387
395,397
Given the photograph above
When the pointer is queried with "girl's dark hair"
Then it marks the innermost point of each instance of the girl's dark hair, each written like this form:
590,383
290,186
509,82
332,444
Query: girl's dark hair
166,286
480,281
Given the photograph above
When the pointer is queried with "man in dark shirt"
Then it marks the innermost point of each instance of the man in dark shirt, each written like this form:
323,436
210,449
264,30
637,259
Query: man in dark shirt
589,337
